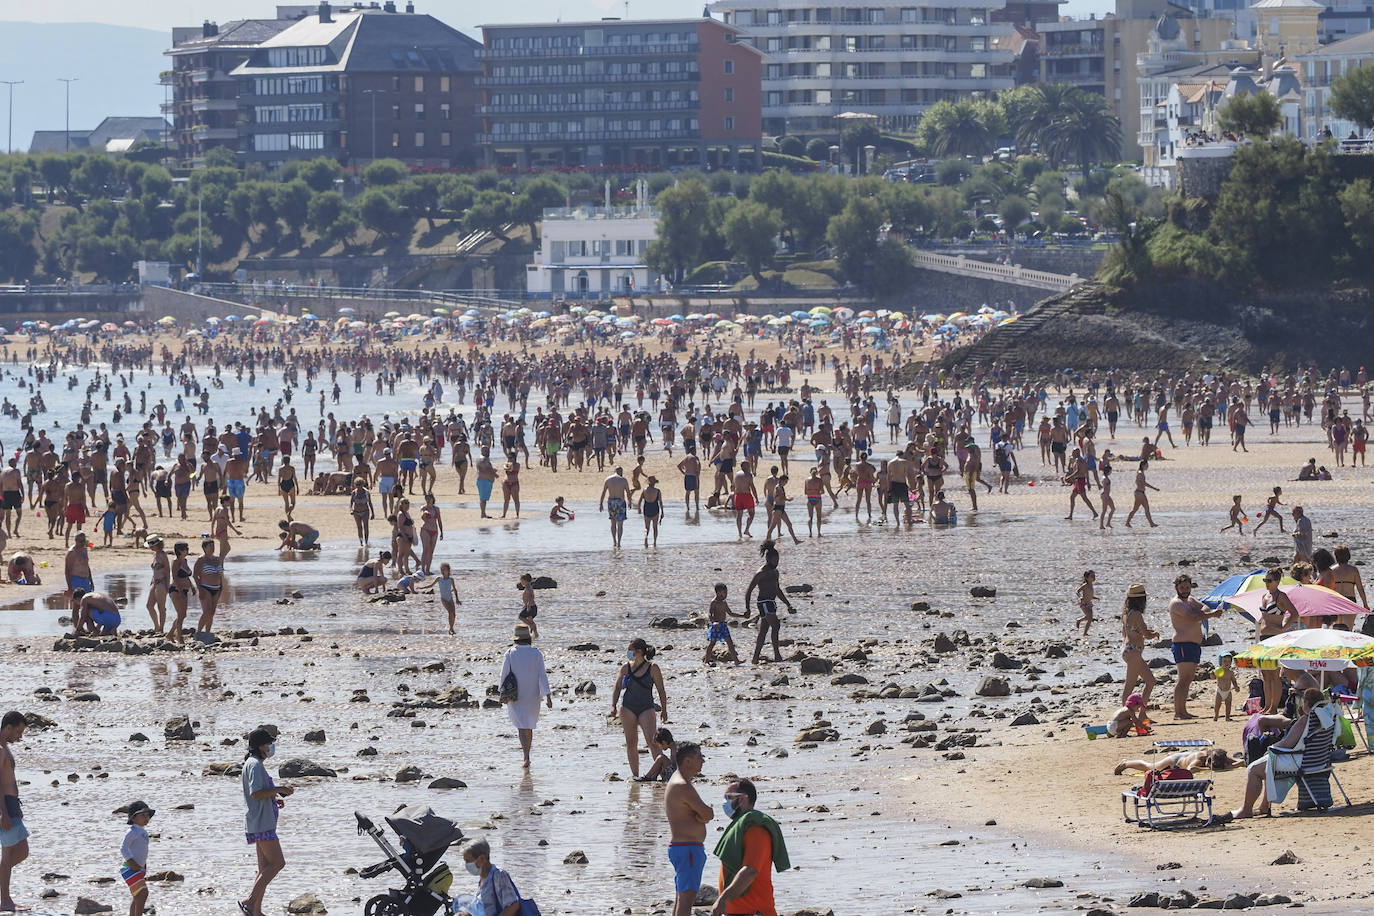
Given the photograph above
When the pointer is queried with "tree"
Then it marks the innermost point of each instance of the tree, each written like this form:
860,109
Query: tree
853,236
380,214
220,156
1357,206
955,129
18,257
951,172
420,198
94,176
490,212
323,211
57,174
818,149
385,172
1084,129
1034,112
319,173
792,146
539,195
856,135
1256,114
682,228
1014,211
892,271
1352,96
455,194
751,231
264,209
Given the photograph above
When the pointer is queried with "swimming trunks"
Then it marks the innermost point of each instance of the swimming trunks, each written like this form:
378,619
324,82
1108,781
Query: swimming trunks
385,485
767,606
134,877
615,508
82,582
108,620
744,501
718,632
407,464
1185,652
897,494
308,541
484,489
689,861
689,482
75,514
236,488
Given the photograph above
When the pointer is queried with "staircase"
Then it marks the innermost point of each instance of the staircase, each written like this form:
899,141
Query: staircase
1000,345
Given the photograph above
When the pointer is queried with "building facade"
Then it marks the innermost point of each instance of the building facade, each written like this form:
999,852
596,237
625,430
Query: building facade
612,92
892,62
359,84
1317,69
204,103
594,252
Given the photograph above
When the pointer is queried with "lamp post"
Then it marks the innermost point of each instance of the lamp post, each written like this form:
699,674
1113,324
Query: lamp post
373,93
9,139
67,132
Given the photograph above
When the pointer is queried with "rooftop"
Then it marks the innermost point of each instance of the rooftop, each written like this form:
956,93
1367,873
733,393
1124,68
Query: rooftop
1361,45
371,41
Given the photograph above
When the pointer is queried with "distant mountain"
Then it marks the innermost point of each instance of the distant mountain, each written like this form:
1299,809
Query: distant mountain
116,69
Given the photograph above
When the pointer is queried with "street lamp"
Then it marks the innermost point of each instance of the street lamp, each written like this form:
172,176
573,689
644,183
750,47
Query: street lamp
9,140
67,133
373,93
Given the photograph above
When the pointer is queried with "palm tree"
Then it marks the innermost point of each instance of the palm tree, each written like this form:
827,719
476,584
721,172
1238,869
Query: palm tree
1086,128
961,132
1032,124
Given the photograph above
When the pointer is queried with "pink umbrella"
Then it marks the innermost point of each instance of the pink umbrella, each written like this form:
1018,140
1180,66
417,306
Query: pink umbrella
1310,600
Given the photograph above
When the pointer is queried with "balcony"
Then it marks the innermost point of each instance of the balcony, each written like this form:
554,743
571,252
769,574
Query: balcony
588,107
247,98
488,82
214,104
168,107
1088,50
289,127
167,78
656,49
588,136
202,132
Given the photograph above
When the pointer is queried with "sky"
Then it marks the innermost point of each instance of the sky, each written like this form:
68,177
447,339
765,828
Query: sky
162,14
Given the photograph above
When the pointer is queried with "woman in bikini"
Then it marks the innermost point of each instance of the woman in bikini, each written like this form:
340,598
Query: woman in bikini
777,515
651,507
180,590
864,475
157,590
431,532
510,488
1276,615
222,523
360,505
209,575
1141,500
1134,632
403,537
1345,579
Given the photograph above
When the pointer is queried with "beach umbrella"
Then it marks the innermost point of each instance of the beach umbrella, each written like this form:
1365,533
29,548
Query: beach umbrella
28,324
415,316
308,316
948,329
347,310
933,318
999,315
628,335
356,325
876,332
109,327
665,322
710,316
780,322
821,310
678,317
818,323
1310,601
1230,587
536,323
1311,650
267,317
193,333
1249,583
577,310
166,320
726,325
231,318
1006,321
261,323
388,314
844,313
903,325
800,315
897,316
868,313
4,330
132,324
562,319
543,314
440,311
986,310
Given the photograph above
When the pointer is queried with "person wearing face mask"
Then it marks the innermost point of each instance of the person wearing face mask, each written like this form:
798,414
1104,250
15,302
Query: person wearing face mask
263,798
751,846
633,697
495,889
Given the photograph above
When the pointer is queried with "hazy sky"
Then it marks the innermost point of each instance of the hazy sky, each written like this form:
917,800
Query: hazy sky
163,14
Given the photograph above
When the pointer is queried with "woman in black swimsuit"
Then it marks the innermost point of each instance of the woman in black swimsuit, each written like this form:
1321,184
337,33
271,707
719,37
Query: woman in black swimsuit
157,590
639,678
180,590
651,505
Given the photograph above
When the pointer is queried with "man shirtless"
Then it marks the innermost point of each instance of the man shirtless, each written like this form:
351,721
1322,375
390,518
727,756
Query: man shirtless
12,496
14,837
615,502
74,507
746,497
77,569
690,466
901,476
688,816
1187,614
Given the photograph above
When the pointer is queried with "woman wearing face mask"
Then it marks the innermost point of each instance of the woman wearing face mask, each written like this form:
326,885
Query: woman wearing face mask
495,889
639,678
263,798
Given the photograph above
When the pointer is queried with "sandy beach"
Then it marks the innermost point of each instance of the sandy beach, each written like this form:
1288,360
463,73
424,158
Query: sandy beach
886,795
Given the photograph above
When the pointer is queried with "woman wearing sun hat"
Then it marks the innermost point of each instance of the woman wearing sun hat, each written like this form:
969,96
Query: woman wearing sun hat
1133,635
525,664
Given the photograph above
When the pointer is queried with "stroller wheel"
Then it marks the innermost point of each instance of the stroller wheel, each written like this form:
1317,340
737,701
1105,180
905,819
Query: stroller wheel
383,905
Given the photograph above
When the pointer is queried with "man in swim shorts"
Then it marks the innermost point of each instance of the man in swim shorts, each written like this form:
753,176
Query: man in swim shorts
688,816
614,495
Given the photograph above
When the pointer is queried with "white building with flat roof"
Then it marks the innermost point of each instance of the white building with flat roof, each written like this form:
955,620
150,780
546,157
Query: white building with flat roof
592,252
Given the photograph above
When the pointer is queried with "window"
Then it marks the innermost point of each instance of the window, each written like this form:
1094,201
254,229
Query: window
445,138
729,66
729,95
909,14
419,84
443,84
775,71
419,111
295,57
419,139
270,143
444,113
395,112
395,139
395,84
978,71
729,123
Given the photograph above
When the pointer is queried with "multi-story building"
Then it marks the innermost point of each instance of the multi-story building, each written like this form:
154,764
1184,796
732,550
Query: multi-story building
204,105
597,252
359,84
1316,70
892,62
1100,54
618,92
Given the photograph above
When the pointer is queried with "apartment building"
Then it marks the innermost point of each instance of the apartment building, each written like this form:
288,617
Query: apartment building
204,104
358,84
892,62
1316,70
653,92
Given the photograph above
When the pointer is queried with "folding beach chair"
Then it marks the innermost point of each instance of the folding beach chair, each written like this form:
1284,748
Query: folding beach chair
1179,744
1315,773
1169,803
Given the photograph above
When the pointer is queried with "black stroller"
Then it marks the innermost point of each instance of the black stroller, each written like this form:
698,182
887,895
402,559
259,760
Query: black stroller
425,837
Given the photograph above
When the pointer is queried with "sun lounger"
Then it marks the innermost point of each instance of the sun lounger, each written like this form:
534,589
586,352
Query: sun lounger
1169,803
1179,744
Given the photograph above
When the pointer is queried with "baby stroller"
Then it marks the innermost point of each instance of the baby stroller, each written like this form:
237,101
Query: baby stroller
425,837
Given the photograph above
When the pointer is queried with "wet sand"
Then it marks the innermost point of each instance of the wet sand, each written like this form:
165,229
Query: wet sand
869,804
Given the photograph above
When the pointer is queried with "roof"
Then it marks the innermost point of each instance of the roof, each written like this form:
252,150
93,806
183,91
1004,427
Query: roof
126,129
601,24
1361,45
243,33
55,141
1021,35
1287,5
371,41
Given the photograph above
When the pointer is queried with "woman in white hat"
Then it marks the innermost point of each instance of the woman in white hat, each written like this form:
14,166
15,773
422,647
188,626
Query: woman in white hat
523,670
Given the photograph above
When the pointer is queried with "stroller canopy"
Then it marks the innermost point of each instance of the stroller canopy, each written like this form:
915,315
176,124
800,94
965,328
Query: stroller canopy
424,830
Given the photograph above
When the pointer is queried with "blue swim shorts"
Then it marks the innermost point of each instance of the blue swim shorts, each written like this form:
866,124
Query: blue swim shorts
689,861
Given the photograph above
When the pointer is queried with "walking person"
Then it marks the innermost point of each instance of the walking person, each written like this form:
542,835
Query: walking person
770,593
688,816
495,889
636,684
134,853
14,836
750,850
1141,500
263,799
525,665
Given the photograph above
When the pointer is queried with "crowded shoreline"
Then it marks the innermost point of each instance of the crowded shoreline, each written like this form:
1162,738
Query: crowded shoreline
1195,494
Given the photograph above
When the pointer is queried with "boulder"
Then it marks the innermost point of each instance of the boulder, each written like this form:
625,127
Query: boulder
206,639
1042,882
992,686
664,623
306,905
300,768
315,737
1238,902
409,774
1003,662
85,905
179,728
817,665
543,582
447,782
846,679
1147,899
706,896
1289,857
87,696
877,727
1026,718
576,857
944,645
802,589
982,591
586,689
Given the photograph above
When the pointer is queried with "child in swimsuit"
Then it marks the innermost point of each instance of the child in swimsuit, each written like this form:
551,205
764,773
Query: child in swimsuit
1226,685
1086,597
530,610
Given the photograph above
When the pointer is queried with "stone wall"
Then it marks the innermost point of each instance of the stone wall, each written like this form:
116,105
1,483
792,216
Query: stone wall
1203,176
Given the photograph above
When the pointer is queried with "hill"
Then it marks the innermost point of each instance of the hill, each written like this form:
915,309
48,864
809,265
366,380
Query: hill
116,69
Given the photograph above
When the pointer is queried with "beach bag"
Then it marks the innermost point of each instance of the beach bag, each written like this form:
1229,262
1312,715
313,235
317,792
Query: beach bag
1284,762
527,906
1345,736
1165,775
510,689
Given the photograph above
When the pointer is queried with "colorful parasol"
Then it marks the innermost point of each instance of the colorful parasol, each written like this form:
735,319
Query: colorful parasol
1312,650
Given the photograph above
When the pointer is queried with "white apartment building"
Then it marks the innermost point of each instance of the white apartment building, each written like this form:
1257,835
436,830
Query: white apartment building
890,61
593,252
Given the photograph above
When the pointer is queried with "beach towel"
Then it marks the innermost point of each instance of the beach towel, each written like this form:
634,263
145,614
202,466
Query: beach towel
730,849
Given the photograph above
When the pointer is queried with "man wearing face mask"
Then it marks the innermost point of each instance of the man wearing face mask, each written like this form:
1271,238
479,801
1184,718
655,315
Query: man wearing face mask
263,798
751,845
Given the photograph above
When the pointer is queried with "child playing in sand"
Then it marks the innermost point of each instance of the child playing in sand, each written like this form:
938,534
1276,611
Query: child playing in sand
448,595
720,630
1226,685
1085,601
529,610
666,762
560,512
134,852
1129,717
1238,518
1271,511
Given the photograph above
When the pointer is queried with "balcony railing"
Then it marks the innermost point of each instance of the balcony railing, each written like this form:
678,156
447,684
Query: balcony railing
1088,50
587,107
566,78
654,49
214,104
588,136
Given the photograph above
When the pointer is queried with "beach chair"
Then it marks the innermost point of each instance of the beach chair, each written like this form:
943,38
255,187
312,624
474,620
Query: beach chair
1179,744
1316,775
1169,803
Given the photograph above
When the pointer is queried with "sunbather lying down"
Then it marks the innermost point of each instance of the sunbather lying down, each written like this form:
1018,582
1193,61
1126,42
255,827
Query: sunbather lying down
1210,758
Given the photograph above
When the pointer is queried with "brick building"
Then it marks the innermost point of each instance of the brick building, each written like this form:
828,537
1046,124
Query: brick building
617,92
